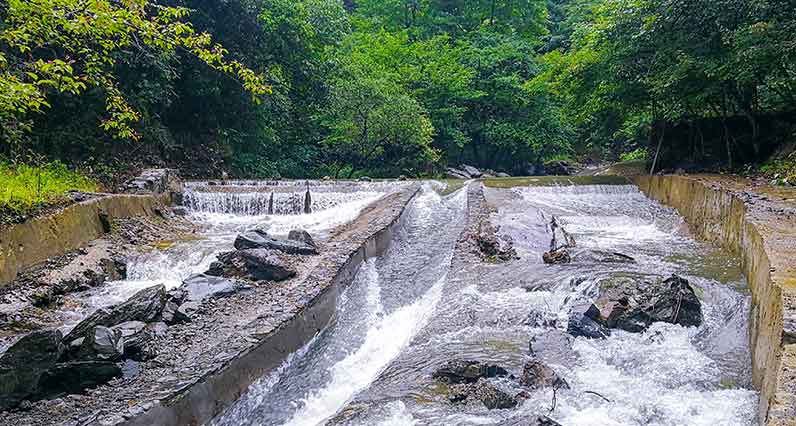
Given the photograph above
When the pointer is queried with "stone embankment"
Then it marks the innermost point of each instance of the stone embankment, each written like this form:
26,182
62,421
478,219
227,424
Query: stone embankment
759,224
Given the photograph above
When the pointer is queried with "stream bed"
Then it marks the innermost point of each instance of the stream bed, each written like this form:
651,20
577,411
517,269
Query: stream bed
424,303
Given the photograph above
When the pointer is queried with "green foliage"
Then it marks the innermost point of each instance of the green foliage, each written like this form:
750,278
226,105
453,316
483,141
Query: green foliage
25,188
67,46
635,155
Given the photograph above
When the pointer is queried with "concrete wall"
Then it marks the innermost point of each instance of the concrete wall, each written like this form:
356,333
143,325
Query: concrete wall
29,243
200,402
766,243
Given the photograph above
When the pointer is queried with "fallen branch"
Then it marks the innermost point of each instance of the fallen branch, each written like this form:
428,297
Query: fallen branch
595,393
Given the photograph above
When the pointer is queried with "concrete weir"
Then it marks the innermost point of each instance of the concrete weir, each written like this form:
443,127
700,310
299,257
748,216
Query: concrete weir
762,231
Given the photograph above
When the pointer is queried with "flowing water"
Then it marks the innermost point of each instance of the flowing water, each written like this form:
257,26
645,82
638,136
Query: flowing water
418,306
221,212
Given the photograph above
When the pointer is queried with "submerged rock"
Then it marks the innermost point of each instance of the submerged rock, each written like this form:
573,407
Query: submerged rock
529,421
254,264
632,305
260,239
553,346
599,256
22,365
583,322
481,391
144,306
461,371
75,377
538,375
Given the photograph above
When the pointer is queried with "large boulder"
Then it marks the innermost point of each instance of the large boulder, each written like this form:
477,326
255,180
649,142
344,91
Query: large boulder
74,377
462,371
481,391
633,304
259,239
101,344
22,365
254,264
538,375
584,322
144,306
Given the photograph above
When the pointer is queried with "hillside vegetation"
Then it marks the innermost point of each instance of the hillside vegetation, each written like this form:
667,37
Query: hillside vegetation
307,88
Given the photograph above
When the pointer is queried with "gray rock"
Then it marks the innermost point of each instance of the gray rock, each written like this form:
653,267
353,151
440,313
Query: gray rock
256,239
75,377
101,344
365,179
452,173
144,306
632,304
471,171
253,264
153,181
200,287
529,421
482,391
136,337
583,323
502,175
462,371
599,256
180,211
538,375
301,236
187,311
22,365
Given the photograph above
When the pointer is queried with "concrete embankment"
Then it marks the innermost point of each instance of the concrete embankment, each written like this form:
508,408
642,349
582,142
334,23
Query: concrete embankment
760,226
204,365
34,241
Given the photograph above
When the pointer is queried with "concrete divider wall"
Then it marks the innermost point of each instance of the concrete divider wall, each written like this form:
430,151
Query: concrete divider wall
200,402
767,246
29,243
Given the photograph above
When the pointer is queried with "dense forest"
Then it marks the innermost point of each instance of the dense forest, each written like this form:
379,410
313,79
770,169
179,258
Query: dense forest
307,88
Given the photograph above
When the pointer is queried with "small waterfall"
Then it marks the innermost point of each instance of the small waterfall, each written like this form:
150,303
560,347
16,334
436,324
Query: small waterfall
280,200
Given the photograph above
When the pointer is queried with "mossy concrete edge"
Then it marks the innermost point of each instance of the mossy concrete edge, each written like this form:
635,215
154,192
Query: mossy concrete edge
32,242
765,243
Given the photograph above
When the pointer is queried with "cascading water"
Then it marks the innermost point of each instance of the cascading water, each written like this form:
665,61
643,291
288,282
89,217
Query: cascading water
406,314
390,300
221,215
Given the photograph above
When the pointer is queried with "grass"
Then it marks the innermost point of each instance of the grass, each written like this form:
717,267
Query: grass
24,188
